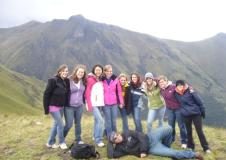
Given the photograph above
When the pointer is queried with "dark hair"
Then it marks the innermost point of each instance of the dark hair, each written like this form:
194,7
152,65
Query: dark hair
60,69
139,82
95,66
180,82
74,74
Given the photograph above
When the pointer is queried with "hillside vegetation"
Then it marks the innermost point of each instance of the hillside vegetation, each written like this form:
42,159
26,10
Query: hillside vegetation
37,49
19,94
24,138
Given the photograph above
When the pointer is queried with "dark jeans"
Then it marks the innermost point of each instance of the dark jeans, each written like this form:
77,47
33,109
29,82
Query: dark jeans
123,113
197,120
174,115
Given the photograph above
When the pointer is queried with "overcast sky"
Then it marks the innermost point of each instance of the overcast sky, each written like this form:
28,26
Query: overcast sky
186,20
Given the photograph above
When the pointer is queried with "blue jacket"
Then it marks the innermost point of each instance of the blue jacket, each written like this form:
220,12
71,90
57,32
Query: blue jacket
191,104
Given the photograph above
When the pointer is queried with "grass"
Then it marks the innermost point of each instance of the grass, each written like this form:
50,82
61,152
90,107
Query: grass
19,94
24,138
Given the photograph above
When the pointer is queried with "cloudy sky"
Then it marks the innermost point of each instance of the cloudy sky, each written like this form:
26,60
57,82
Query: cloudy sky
186,20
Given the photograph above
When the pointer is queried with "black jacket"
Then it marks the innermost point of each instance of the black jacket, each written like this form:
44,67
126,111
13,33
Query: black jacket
56,93
134,143
191,104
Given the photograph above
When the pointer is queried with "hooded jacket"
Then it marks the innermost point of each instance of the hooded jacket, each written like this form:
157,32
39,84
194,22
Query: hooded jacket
191,103
112,91
133,143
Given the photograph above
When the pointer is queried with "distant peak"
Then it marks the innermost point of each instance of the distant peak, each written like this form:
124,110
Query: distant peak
77,17
221,35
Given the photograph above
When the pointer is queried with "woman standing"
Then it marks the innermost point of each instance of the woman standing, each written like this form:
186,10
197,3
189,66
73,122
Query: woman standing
112,96
173,109
133,100
94,95
124,84
74,111
55,98
156,103
193,111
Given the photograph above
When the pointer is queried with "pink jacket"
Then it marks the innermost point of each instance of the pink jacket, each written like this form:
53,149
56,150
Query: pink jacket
91,80
113,92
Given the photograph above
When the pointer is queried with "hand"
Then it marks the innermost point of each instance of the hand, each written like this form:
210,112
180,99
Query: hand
120,106
142,155
203,114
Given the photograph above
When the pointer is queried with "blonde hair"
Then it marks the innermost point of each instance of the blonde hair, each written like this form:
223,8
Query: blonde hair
107,67
122,75
162,77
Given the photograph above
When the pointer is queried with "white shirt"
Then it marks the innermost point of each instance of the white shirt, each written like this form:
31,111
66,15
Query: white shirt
97,94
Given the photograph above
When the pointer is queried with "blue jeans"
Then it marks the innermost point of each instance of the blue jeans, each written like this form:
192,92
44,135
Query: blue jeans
110,117
57,128
98,124
173,116
154,114
123,113
160,140
137,119
70,114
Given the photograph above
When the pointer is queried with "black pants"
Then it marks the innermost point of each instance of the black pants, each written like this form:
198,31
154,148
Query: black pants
197,120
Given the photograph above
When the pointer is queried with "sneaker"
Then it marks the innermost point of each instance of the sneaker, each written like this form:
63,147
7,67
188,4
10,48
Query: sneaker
208,151
54,146
80,142
63,146
101,144
198,156
184,146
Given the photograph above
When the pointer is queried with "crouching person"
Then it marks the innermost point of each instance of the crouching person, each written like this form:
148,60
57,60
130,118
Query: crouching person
157,142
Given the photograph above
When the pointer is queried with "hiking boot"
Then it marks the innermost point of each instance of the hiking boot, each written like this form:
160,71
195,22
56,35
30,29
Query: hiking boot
63,146
184,146
54,146
208,151
80,142
101,144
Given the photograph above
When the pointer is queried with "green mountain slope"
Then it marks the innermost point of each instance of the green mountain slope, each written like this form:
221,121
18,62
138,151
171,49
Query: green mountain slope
37,49
19,94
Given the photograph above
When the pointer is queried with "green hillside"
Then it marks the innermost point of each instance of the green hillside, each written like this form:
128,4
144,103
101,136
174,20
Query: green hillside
28,143
37,49
19,94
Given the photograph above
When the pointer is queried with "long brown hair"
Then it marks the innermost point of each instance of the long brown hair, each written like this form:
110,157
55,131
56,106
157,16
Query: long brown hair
60,69
74,76
139,82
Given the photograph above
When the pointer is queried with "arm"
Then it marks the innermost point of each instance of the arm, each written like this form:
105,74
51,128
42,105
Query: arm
112,152
119,94
47,94
199,103
88,95
144,141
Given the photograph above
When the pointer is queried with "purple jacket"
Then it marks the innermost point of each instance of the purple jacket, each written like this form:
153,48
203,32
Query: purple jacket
112,92
169,97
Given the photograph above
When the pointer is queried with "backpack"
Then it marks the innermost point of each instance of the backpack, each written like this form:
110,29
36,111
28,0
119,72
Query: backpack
83,151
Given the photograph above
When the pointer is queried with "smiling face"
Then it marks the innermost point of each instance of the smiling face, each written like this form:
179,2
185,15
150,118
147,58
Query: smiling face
63,73
118,138
98,71
134,78
149,81
163,83
108,72
80,73
180,87
122,80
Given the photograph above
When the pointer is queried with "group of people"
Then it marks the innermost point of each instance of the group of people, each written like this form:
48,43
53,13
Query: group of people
104,93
